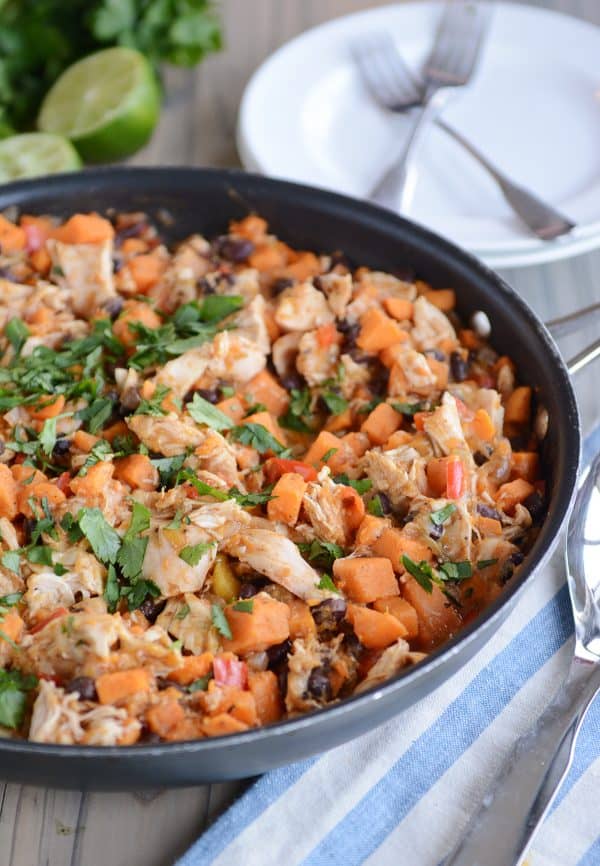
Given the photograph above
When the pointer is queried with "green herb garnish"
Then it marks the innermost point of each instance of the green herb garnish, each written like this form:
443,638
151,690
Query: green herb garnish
442,515
219,621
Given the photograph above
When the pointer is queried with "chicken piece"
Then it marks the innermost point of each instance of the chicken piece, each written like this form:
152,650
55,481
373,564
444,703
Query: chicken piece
164,565
15,299
445,431
354,375
189,619
431,327
323,502
315,362
250,324
392,661
307,654
338,291
217,456
73,644
60,717
400,474
277,558
245,283
416,370
179,283
454,543
87,270
168,434
388,285
491,401
284,353
47,590
302,308
180,373
220,520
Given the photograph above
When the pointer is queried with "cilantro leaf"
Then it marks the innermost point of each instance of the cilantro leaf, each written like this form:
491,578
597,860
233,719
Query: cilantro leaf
327,583
456,570
441,516
96,414
257,436
16,332
136,592
40,555
361,485
217,307
11,599
329,454
298,414
409,408
112,590
204,412
422,572
133,548
322,553
47,437
168,468
152,406
334,402
201,487
247,500
201,684
485,563
192,554
244,605
103,539
375,507
13,697
219,620
183,611
12,560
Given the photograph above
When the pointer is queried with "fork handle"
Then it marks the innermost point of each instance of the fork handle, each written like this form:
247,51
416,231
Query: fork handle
544,220
394,189
522,793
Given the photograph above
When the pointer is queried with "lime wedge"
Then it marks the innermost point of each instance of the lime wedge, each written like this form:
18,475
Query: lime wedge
107,104
35,153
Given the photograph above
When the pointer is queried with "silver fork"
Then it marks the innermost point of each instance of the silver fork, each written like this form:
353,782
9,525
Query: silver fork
457,46
393,86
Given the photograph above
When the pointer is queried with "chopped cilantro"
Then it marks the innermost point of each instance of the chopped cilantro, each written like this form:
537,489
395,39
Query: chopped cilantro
375,507
13,696
367,408
361,485
217,307
219,620
334,402
72,528
152,406
204,412
422,572
442,515
227,391
133,548
258,437
298,414
16,332
112,590
201,684
12,560
248,500
485,563
183,611
327,583
136,592
456,570
10,600
100,451
168,468
96,414
47,437
103,539
193,553
322,553
409,408
40,555
329,454
244,605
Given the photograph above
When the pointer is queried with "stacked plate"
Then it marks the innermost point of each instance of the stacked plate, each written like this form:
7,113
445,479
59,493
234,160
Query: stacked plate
533,108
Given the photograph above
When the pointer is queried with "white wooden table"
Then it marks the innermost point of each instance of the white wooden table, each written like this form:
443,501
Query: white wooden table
40,827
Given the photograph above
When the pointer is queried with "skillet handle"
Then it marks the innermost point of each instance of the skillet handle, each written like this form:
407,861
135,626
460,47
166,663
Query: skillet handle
565,325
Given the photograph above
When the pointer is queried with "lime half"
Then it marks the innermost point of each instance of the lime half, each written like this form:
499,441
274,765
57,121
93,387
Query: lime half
35,153
107,104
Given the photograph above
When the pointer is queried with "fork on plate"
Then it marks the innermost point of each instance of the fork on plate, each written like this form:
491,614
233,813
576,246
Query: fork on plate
393,86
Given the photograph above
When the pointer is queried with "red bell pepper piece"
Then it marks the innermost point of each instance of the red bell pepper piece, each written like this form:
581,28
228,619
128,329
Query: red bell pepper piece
278,466
455,478
229,671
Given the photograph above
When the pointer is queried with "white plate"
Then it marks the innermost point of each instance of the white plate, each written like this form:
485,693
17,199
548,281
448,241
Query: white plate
533,108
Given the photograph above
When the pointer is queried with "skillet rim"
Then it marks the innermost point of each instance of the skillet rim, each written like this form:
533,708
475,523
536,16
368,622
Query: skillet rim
371,216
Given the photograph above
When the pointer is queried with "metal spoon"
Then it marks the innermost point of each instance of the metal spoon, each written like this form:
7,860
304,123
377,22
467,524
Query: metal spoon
515,805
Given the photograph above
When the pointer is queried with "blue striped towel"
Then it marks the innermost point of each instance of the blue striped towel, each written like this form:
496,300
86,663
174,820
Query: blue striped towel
403,793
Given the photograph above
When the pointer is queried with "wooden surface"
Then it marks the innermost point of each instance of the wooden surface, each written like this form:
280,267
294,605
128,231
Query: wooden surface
41,827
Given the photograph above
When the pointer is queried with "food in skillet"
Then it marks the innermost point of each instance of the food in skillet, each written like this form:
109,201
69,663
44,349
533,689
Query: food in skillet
238,482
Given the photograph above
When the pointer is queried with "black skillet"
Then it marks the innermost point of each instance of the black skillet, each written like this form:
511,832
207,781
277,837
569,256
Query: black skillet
202,200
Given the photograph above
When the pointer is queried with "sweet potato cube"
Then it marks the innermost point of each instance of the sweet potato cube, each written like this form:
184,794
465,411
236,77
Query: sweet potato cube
402,610
378,331
115,687
323,444
287,501
8,492
438,619
512,493
518,406
393,545
365,578
267,698
381,423
267,624
373,629
264,388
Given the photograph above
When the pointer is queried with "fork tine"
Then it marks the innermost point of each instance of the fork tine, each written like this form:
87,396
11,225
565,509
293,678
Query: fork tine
384,73
458,42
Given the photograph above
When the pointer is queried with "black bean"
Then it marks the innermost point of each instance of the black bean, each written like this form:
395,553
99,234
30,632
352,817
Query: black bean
436,531
130,400
519,442
487,511
535,506
234,249
292,380
62,446
152,609
358,356
278,653
85,688
338,258
29,525
329,612
162,683
148,738
114,306
480,458
206,286
435,353
282,677
517,557
280,285
247,590
350,330
133,230
458,367
2,446
318,685
210,394
379,378
386,505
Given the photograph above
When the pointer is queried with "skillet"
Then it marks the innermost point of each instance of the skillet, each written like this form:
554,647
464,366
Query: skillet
204,200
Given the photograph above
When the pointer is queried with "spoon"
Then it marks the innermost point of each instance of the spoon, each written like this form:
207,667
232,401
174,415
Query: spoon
520,796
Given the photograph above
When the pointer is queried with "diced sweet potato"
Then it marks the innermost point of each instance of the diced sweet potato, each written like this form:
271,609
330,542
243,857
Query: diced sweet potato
287,493
12,625
370,529
301,622
85,229
164,716
267,698
192,668
353,507
509,495
94,482
393,545
525,464
84,441
134,312
264,388
403,611
146,270
49,407
115,687
266,625
443,299
377,331
12,238
8,493
343,421
138,471
399,308
374,630
438,619
489,526
365,578
24,474
234,407
218,726
483,426
324,443
518,406
252,227
37,493
381,423
268,257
